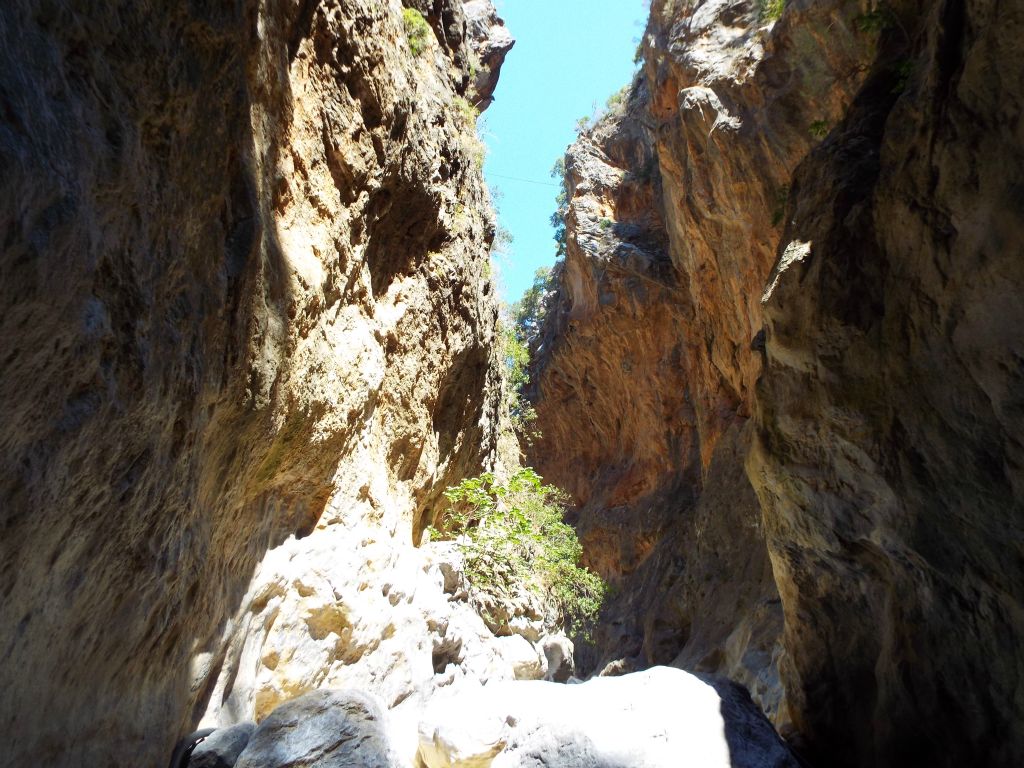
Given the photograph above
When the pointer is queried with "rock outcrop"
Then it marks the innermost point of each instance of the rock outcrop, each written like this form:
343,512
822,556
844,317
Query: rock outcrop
644,377
820,280
351,607
246,305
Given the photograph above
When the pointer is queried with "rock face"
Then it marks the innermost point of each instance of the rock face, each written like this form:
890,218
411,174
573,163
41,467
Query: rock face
889,460
650,451
659,718
822,284
245,306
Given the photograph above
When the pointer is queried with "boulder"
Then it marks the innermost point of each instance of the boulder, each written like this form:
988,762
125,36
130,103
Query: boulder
659,718
328,729
522,656
222,748
558,650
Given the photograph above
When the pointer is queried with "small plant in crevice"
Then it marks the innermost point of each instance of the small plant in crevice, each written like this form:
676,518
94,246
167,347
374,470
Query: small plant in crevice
771,10
617,101
468,111
902,71
605,224
512,537
819,129
781,198
872,21
417,30
882,17
561,208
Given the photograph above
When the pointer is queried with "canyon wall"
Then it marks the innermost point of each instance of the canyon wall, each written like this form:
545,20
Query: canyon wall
679,540
246,305
889,458
645,375
797,250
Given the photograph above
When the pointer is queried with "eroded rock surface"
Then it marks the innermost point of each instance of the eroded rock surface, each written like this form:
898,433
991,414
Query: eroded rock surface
245,307
889,460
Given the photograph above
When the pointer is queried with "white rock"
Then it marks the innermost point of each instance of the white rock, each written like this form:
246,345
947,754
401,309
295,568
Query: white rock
659,718
522,656
558,650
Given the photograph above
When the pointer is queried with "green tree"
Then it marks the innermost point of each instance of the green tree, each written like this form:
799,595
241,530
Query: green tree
512,536
561,208
528,312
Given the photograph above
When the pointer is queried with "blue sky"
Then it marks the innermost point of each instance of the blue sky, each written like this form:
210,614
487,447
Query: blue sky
568,55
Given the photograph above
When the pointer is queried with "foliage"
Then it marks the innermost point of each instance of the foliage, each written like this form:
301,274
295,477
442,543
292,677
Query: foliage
561,208
478,151
819,129
638,57
781,198
583,124
416,29
516,356
528,312
469,112
903,70
512,536
605,224
771,10
873,21
618,99
502,239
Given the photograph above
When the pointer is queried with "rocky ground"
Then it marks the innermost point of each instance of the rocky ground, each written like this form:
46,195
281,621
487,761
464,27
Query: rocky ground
658,718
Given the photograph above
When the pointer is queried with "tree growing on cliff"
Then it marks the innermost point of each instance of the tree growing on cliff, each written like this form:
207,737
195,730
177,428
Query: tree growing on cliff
518,334
561,208
528,313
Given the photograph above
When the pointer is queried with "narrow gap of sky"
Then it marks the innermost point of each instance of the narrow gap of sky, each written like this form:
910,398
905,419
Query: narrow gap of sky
569,57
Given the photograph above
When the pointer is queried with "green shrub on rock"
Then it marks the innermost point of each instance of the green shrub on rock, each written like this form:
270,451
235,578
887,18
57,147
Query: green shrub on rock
771,10
512,537
416,29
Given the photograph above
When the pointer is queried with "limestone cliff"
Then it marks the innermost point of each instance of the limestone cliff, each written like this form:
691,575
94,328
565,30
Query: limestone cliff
644,391
616,409
245,304
889,459
802,254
